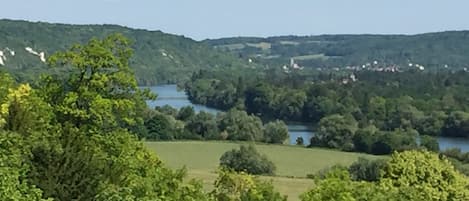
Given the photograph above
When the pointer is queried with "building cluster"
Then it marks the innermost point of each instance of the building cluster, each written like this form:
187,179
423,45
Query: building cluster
293,66
351,78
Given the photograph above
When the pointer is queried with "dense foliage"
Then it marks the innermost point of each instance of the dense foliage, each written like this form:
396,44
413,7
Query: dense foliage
433,50
247,159
378,112
166,123
158,58
231,186
410,175
367,170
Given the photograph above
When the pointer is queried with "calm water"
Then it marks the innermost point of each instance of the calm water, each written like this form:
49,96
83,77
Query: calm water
169,95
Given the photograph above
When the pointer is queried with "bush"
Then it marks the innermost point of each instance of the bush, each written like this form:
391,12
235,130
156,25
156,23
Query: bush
366,170
233,186
322,174
247,159
300,141
430,143
389,141
275,132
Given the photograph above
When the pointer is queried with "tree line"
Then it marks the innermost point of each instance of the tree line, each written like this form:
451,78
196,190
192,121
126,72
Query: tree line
378,113
167,123
433,50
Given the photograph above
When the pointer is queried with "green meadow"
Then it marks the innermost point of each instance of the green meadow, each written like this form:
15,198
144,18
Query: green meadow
293,163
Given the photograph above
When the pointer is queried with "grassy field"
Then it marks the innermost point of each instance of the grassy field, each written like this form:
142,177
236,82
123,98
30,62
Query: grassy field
293,163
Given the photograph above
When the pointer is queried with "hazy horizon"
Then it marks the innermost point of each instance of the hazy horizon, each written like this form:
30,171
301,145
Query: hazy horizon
218,19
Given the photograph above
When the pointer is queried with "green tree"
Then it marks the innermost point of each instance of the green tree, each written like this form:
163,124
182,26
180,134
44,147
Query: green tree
338,186
24,112
95,157
100,92
275,132
456,125
398,140
336,131
422,175
247,159
409,175
259,100
71,172
364,139
367,170
377,111
231,186
185,113
168,110
14,183
6,83
203,126
432,124
430,143
290,104
241,126
159,128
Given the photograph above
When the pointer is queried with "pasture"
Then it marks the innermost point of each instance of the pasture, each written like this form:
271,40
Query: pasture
293,163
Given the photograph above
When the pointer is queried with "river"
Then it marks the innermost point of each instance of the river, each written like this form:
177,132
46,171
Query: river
169,95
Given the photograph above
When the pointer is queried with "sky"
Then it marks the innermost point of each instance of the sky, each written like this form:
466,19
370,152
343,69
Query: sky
201,19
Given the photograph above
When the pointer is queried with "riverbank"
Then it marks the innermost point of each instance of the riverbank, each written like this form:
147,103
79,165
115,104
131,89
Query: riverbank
170,95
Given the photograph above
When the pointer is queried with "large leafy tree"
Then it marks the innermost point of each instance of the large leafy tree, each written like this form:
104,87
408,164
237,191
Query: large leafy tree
247,159
100,91
275,132
241,126
336,131
203,125
158,128
84,151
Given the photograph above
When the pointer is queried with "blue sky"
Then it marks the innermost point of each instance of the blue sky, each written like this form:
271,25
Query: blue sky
200,19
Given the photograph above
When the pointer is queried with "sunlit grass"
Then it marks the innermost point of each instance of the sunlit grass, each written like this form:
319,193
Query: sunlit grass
293,163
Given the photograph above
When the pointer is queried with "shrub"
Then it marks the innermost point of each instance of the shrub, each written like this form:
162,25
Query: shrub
300,141
322,174
231,186
366,170
275,132
247,159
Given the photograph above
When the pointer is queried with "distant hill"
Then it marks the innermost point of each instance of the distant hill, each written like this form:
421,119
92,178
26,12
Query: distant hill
158,57
431,50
